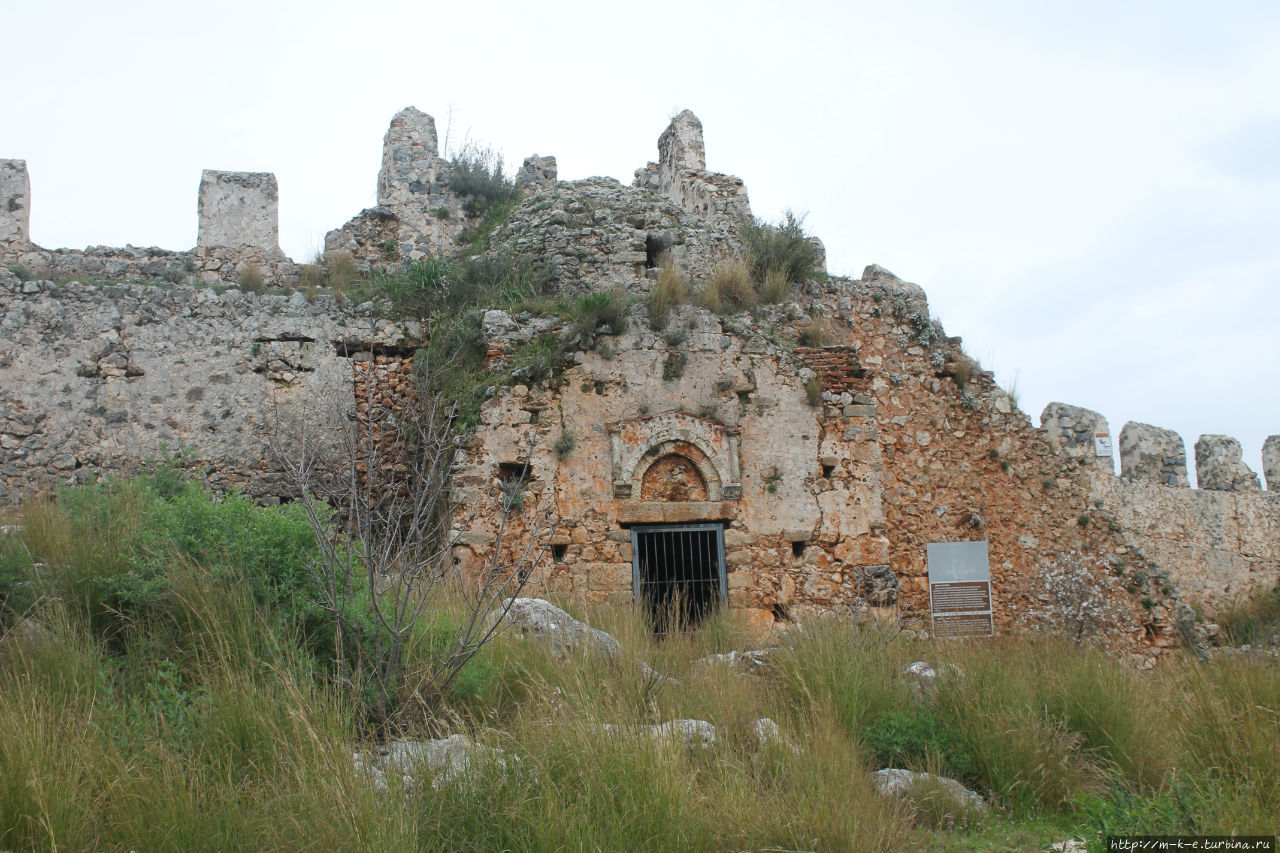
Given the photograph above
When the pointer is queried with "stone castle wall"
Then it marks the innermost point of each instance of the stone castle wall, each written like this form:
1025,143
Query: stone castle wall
1220,542
831,466
96,380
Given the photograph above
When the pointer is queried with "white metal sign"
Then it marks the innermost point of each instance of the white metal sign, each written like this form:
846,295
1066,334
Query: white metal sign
1102,444
960,589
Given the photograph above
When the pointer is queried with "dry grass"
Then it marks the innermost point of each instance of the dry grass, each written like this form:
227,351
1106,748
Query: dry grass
729,288
250,277
668,292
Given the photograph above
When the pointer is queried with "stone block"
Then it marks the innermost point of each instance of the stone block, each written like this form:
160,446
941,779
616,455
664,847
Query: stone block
1070,431
1271,462
1152,453
1220,467
239,210
15,206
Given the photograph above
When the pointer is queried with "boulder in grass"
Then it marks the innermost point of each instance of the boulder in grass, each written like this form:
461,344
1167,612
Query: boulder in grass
898,783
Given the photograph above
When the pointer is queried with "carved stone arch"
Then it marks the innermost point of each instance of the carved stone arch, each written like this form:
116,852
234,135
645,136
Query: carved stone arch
676,471
709,446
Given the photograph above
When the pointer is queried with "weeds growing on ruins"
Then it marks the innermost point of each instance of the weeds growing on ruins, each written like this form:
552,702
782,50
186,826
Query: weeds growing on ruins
149,651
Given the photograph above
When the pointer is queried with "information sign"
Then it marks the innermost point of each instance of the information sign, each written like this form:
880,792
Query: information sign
960,589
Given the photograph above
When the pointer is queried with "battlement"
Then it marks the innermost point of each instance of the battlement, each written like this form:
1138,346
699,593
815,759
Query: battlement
1154,454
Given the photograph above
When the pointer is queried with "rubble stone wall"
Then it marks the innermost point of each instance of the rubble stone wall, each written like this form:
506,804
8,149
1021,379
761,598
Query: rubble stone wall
96,380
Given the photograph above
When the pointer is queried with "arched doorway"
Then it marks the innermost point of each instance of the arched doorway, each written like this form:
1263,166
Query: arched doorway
678,569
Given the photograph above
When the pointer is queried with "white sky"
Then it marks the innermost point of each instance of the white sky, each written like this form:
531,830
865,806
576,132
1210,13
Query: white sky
1089,192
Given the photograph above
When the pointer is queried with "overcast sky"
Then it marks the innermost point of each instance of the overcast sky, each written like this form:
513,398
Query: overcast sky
1089,192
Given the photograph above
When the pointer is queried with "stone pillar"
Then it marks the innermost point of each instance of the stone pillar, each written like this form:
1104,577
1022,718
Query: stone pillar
239,210
1151,453
15,206
680,146
1219,465
410,160
1271,462
1074,432
537,172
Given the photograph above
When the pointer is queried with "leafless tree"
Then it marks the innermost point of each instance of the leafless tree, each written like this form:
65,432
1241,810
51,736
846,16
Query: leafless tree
383,461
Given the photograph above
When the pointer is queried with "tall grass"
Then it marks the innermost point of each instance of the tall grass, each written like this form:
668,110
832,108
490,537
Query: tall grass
729,288
207,722
668,292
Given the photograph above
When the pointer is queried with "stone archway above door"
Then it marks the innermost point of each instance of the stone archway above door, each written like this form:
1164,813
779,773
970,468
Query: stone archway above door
709,447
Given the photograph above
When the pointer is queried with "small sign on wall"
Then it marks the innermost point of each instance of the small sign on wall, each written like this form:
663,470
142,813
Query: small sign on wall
960,589
1102,444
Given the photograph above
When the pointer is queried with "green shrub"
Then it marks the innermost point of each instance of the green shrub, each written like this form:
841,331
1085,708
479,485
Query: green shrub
564,445
774,287
594,311
917,738
673,366
1254,621
783,248
813,391
477,174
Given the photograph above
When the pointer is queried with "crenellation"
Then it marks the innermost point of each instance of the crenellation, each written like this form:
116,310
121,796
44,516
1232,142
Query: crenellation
15,208
1220,465
1271,462
240,211
1075,432
1152,453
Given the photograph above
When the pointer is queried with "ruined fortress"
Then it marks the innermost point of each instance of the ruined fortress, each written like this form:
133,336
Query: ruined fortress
784,479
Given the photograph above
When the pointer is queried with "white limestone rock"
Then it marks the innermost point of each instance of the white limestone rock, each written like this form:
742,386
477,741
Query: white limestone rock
686,733
897,783
1220,467
410,159
748,662
537,172
445,760
540,619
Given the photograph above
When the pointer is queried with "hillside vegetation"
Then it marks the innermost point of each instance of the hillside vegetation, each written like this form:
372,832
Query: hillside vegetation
164,686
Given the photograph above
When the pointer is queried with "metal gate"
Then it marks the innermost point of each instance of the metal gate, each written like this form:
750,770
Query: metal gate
678,572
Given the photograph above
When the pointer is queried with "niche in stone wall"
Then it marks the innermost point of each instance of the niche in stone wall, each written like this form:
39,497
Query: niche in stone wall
673,477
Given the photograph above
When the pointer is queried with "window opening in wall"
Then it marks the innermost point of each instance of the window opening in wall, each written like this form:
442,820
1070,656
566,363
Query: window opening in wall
827,471
797,548
509,472
558,552
678,573
653,248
